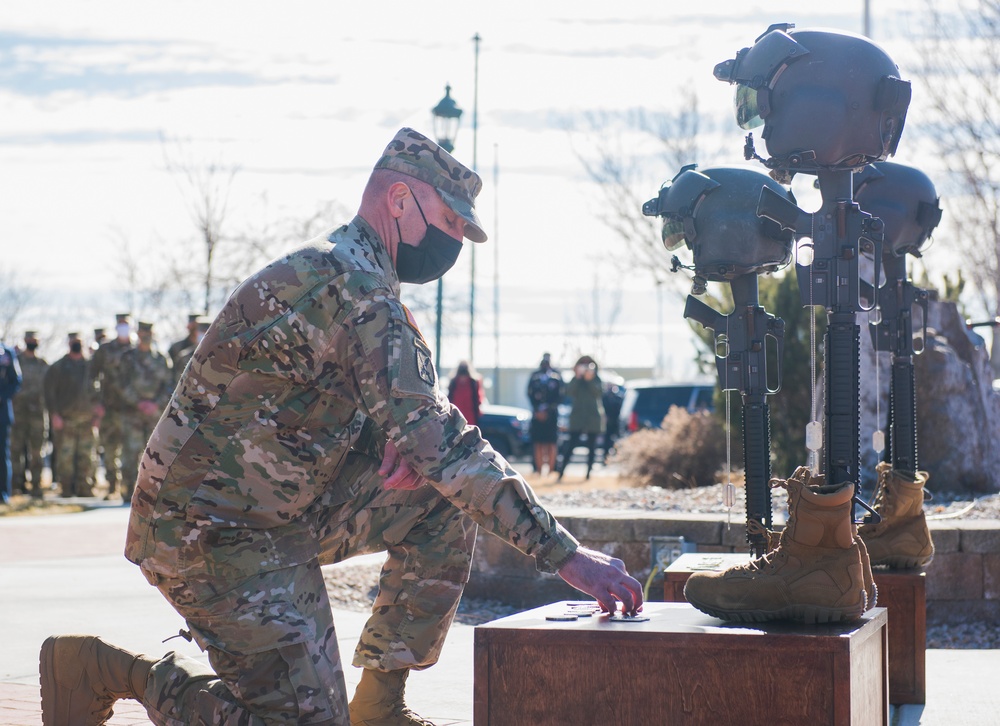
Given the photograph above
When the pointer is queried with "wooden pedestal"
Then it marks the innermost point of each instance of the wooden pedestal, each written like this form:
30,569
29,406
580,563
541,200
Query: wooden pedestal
680,667
902,592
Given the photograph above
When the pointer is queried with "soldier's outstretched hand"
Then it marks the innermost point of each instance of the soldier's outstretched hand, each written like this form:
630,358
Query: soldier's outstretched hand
603,577
398,474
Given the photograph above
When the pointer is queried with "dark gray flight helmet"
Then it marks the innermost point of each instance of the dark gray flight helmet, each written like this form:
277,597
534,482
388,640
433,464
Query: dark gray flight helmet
828,100
904,199
715,212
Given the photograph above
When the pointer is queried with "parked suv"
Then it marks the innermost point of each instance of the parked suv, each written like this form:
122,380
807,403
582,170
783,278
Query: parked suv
647,402
507,429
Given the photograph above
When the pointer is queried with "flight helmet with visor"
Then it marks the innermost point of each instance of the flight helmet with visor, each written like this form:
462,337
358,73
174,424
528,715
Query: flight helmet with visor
904,199
828,100
714,212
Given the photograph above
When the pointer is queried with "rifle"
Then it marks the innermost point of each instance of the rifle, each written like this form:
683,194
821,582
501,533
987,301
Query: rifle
840,231
741,363
894,333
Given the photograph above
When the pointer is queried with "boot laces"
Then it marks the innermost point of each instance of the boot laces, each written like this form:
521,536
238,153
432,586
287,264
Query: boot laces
881,502
882,493
770,558
401,710
773,539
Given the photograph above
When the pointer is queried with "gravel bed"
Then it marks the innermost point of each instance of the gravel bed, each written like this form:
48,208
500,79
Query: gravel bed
711,500
353,587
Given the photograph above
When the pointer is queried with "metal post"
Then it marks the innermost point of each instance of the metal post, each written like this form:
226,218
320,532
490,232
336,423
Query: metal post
447,116
439,310
496,274
475,168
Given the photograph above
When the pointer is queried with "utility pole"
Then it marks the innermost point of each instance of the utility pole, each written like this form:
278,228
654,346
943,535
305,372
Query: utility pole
475,168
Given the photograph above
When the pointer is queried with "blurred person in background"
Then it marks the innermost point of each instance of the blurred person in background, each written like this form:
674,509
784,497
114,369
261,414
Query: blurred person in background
10,384
146,384
105,371
586,416
28,434
465,390
545,392
74,410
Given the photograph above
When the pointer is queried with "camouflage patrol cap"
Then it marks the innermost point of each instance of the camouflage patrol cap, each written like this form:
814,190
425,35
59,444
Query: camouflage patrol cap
413,154
123,317
72,336
193,318
145,327
30,335
99,331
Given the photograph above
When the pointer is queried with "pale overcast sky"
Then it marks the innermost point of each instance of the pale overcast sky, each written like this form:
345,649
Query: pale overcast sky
303,95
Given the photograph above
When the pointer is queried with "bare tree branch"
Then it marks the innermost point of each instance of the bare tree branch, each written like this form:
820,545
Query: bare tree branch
960,70
14,298
628,156
205,187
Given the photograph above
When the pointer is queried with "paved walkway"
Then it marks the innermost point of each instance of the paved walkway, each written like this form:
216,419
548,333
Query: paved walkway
65,573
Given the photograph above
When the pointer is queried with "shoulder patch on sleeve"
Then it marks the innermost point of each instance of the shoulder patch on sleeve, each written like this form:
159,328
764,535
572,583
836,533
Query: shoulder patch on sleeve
416,375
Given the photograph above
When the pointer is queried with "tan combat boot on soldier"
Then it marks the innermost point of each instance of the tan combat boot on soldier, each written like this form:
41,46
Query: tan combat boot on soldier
902,538
378,700
816,574
82,677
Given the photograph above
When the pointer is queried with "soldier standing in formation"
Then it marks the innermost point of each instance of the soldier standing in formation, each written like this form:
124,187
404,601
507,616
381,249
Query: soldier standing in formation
73,412
28,435
105,371
10,383
99,337
187,343
146,383
185,354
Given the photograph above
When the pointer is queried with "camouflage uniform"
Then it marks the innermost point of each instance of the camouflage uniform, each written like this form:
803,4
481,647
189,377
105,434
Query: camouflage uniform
106,371
180,351
142,376
69,393
264,466
183,350
28,435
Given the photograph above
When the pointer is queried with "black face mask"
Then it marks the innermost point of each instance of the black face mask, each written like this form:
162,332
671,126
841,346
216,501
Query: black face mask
433,257
31,346
76,347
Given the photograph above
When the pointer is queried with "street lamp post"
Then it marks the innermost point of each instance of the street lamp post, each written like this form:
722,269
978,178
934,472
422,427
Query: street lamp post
447,116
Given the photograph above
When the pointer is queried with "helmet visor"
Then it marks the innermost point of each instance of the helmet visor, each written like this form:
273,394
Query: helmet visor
673,233
747,108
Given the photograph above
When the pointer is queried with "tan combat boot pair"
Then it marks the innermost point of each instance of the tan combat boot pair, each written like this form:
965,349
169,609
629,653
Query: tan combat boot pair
901,539
378,700
82,676
819,571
